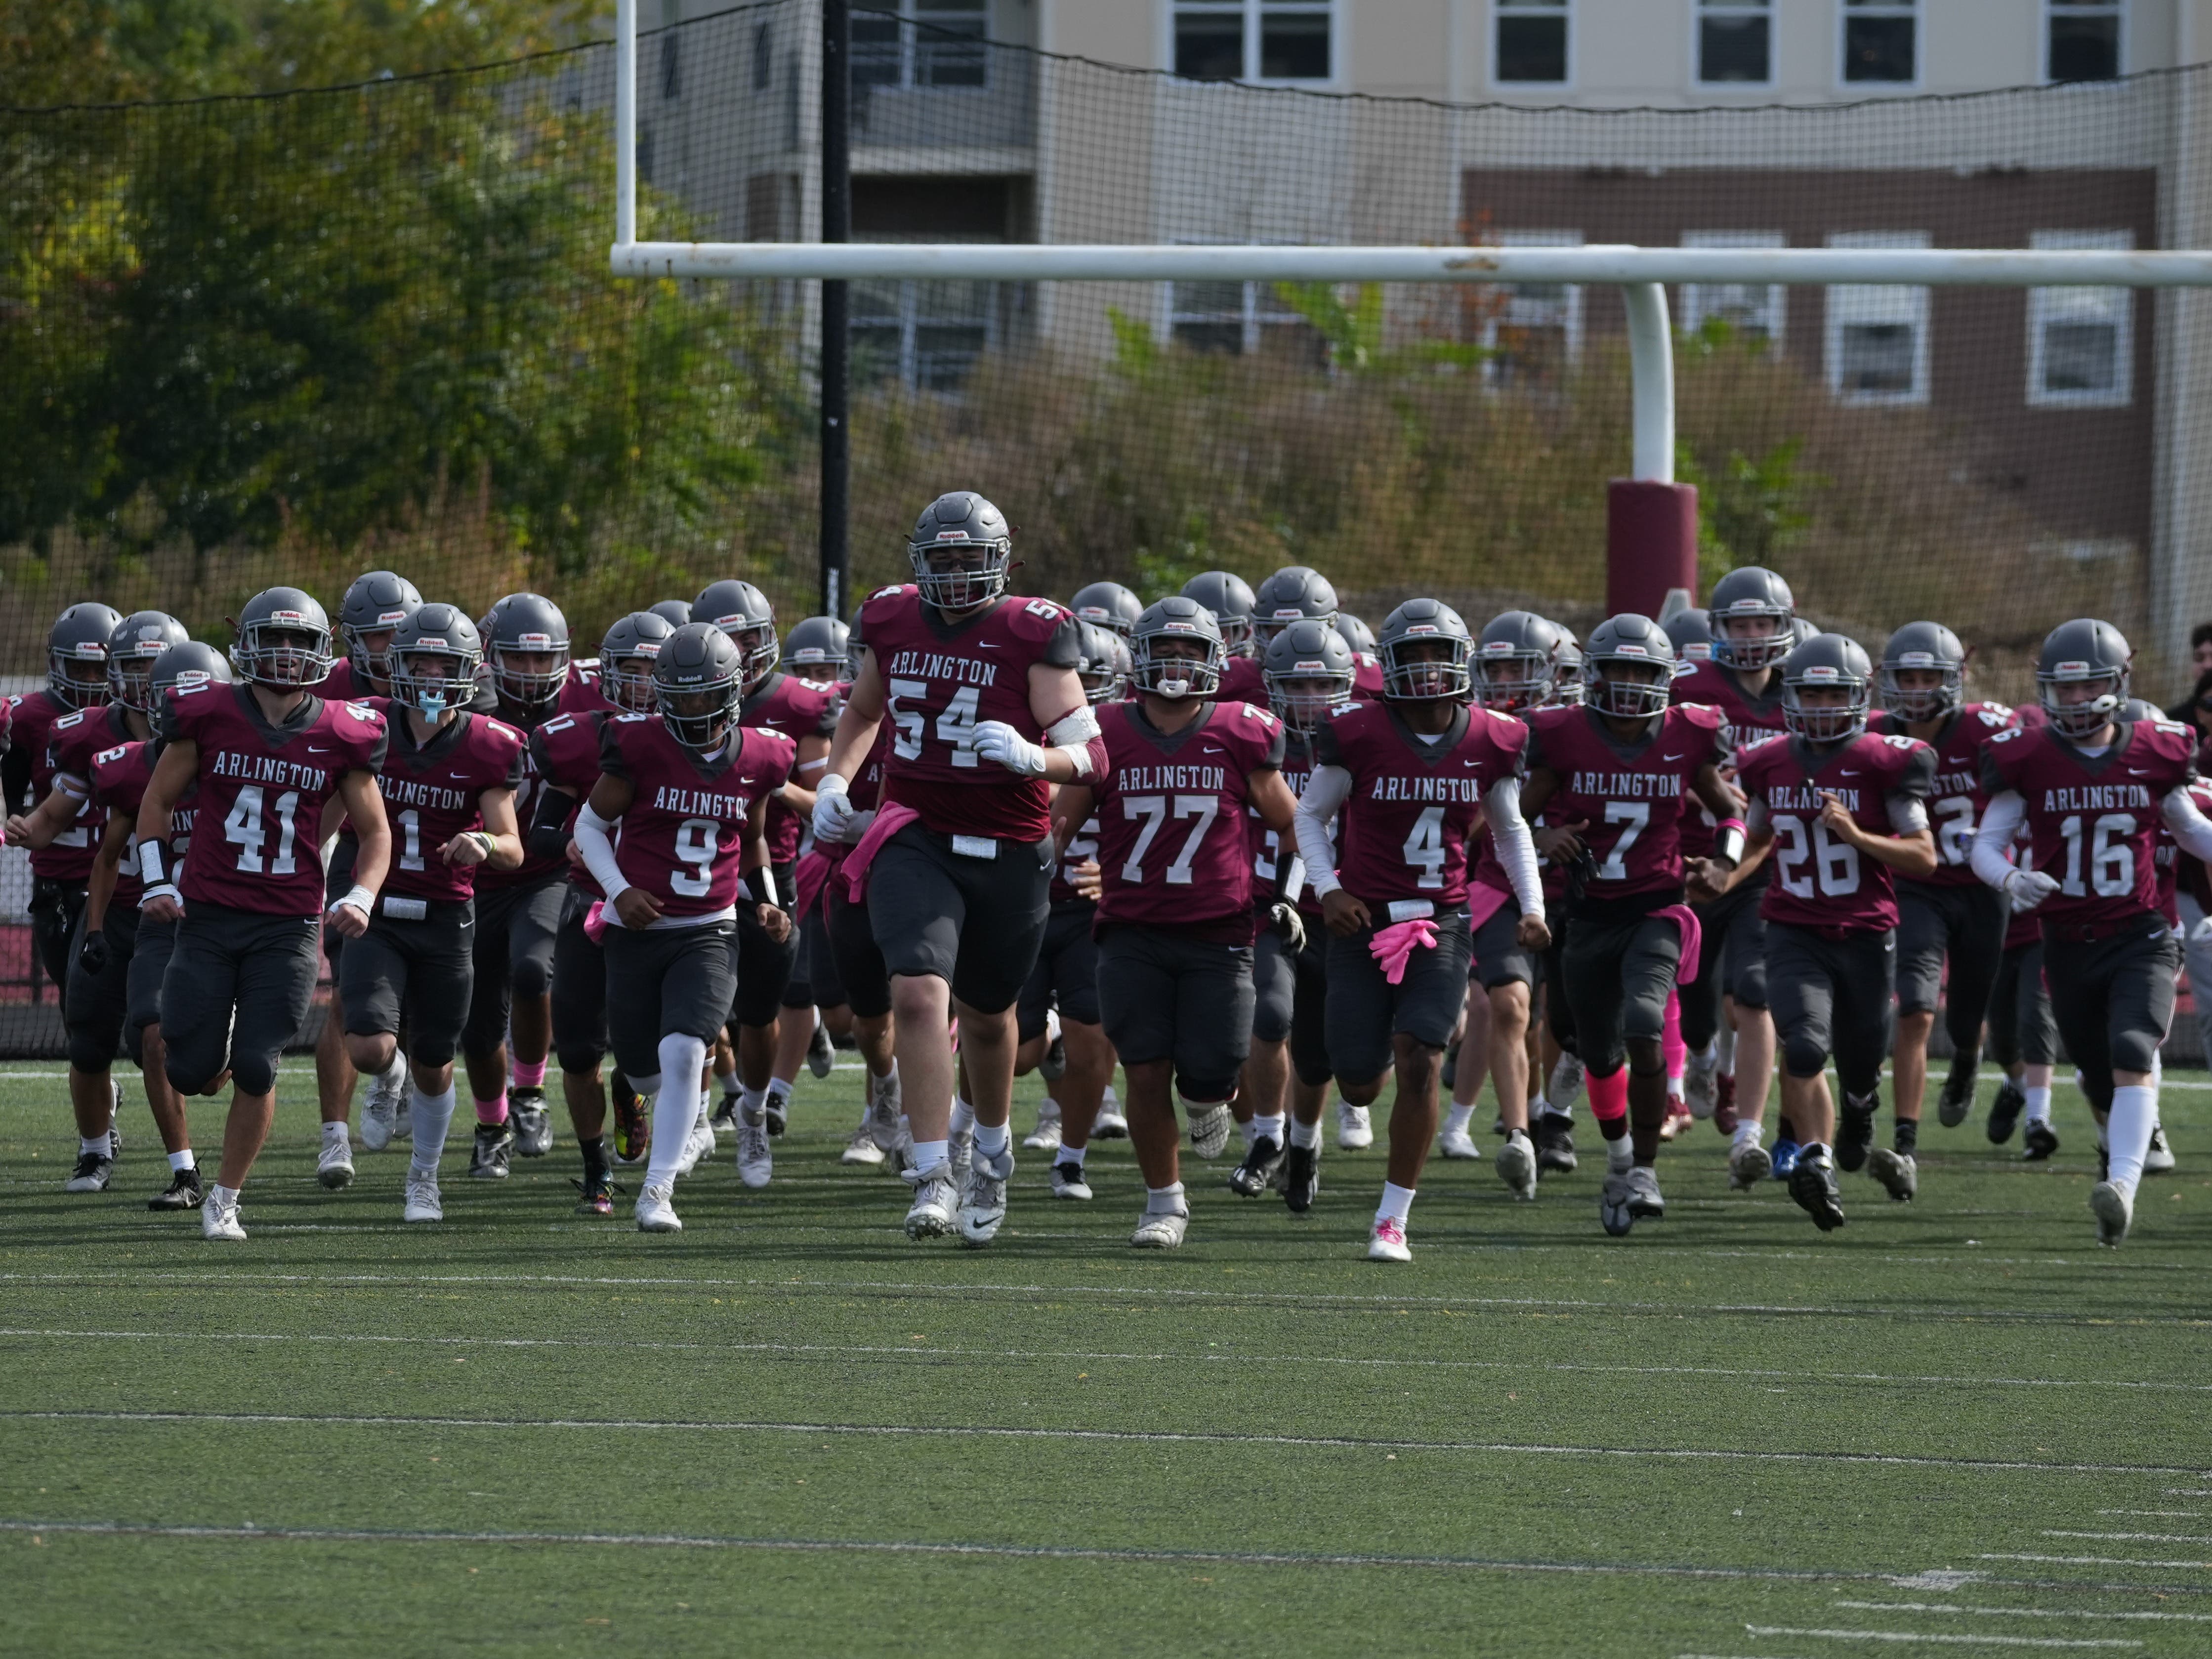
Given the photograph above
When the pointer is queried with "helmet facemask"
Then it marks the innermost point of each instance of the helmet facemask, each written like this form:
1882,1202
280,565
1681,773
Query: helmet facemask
1426,664
1303,694
2098,696
1192,669
627,682
700,717
758,650
434,679
131,677
369,648
285,652
1934,689
78,677
1511,680
1836,711
1627,688
1751,650
956,574
531,670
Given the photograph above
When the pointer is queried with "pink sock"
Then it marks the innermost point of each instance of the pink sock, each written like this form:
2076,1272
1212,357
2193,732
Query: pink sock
1608,1096
1676,1052
530,1076
494,1111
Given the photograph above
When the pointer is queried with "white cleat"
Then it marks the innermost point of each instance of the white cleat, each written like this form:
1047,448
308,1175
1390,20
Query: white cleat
402,1127
1701,1085
424,1202
935,1200
379,1114
1565,1087
220,1220
755,1159
1387,1242
1112,1125
2157,1157
1749,1164
983,1197
1516,1165
1068,1182
334,1164
862,1149
1161,1229
1355,1132
1045,1137
656,1209
886,1109
957,1147
2115,1212
703,1126
91,1174
1209,1129
1458,1144
698,1145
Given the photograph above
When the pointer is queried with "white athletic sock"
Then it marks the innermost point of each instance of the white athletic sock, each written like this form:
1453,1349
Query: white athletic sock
1250,1129
731,1086
779,1091
1676,1089
1458,1118
1620,1155
752,1103
222,1197
1071,1155
1537,1107
1709,1054
963,1117
929,1154
2038,1104
1307,1135
183,1160
432,1114
2135,1113
1269,1128
394,1075
1749,1132
96,1147
335,1132
1164,1201
992,1139
1397,1202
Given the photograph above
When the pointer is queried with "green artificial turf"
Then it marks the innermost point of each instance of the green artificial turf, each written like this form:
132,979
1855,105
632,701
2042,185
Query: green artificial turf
791,1430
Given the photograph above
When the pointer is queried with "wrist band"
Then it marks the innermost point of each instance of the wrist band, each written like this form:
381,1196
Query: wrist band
761,883
361,899
162,890
150,865
1728,841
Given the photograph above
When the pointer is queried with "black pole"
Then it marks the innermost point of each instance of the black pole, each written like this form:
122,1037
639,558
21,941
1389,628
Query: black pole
837,357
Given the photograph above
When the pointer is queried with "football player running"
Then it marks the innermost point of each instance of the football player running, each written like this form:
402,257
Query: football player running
1233,604
448,786
688,789
957,863
1174,913
1413,775
1843,810
1621,765
2092,788
1950,915
266,757
814,1017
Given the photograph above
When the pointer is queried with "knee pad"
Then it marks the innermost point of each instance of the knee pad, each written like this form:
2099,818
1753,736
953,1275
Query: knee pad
579,1059
254,1075
1803,1057
134,1044
87,1052
533,974
1205,1090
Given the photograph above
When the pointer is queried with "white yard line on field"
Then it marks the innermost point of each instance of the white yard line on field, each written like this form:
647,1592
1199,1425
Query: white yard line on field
2096,1561
1946,1638
2021,1613
1144,1437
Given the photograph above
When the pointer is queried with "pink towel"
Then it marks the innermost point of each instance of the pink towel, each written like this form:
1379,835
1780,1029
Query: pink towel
813,876
891,818
1685,918
596,921
1482,903
1393,947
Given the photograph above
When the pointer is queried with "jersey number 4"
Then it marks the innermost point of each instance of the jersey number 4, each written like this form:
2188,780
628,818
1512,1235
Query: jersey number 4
956,726
246,829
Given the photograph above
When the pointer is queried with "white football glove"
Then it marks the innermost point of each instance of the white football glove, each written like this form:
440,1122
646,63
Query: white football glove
2029,888
995,740
833,808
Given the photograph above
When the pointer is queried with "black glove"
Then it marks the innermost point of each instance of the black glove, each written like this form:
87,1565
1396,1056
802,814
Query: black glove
1289,926
92,955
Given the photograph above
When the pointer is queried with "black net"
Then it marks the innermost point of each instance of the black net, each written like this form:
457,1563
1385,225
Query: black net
300,336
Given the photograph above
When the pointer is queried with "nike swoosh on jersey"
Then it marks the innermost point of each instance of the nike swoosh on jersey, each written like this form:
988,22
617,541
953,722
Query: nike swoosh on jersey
1670,757
1847,773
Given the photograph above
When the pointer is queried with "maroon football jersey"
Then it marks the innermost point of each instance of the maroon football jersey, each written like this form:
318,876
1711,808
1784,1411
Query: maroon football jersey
263,788
684,837
1413,805
1747,717
1819,881
2094,820
433,794
342,684
1171,840
943,679
1243,680
34,716
1366,675
579,695
798,709
564,754
1272,855
1630,795
1955,803
73,742
117,780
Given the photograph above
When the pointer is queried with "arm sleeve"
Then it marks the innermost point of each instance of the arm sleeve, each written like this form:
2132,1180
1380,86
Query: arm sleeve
2001,820
1908,814
599,851
2189,826
1516,852
1325,791
15,778
1755,816
549,831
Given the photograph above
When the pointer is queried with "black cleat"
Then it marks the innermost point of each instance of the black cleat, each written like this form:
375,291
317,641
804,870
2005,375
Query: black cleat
1054,1066
1956,1103
489,1155
2004,1112
1261,1161
821,1053
773,1109
1813,1185
91,1174
1854,1136
596,1192
1555,1143
2038,1143
723,1120
184,1193
1301,1177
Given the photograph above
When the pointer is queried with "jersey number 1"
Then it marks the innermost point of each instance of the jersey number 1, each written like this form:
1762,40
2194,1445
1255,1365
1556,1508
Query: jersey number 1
244,829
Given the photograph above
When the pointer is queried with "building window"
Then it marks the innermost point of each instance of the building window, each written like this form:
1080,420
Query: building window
926,335
1881,42
1877,343
764,57
1754,311
1532,331
1735,42
2082,40
931,43
1255,40
2081,341
1239,320
1531,47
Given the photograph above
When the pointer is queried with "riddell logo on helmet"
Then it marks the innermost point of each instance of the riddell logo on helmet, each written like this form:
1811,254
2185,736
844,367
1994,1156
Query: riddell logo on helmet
1420,627
1494,648
1917,659
1821,673
289,616
1627,650
952,535
533,641
90,651
387,618
2071,668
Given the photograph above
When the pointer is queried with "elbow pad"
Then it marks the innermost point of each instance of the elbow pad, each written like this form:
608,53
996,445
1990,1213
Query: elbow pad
1073,732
